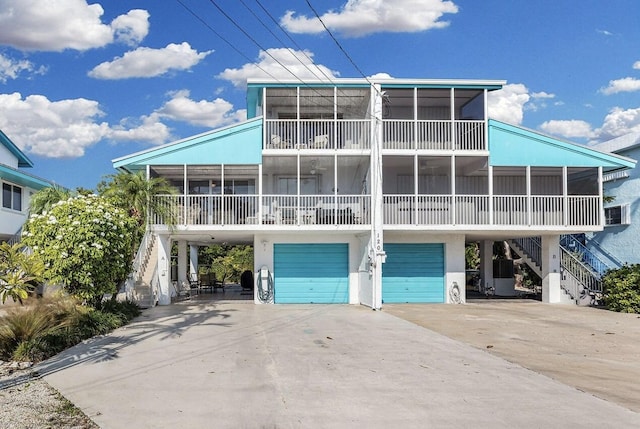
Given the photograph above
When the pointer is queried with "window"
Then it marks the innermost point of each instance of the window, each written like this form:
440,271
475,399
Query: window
11,197
617,215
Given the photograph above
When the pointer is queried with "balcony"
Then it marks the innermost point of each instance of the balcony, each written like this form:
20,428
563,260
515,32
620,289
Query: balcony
516,210
311,134
278,210
434,135
398,210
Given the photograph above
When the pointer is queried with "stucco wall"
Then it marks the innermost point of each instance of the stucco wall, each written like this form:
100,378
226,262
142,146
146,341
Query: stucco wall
622,240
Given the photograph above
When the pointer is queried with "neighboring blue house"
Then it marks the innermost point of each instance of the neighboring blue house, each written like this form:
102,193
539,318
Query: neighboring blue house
17,188
617,243
366,191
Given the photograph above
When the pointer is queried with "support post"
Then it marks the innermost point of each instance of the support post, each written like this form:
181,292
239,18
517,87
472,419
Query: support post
551,292
164,269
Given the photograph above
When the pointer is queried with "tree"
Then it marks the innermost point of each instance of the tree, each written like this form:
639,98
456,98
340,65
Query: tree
45,198
85,243
228,262
134,192
20,272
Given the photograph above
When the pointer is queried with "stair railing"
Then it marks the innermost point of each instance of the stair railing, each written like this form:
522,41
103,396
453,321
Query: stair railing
532,247
139,262
578,279
572,244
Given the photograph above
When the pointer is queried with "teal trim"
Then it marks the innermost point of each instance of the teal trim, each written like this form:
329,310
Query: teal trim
23,179
315,273
254,99
23,161
439,86
239,144
413,272
514,146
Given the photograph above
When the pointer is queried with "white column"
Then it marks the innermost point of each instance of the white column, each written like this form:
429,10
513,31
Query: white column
486,262
551,292
182,261
455,268
193,259
164,269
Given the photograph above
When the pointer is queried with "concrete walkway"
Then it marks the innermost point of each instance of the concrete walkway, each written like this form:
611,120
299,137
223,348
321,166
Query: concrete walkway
235,365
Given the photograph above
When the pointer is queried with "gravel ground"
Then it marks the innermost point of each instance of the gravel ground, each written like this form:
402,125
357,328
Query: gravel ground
27,402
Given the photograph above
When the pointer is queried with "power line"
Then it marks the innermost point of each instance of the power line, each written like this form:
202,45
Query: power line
337,43
223,38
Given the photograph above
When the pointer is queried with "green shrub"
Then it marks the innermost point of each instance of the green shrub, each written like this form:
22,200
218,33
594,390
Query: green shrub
46,327
621,289
29,325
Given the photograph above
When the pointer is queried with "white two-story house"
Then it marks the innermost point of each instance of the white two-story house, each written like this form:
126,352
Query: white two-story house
365,191
17,188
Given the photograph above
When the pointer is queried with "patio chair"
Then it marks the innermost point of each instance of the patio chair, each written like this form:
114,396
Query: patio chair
246,281
321,141
194,284
278,143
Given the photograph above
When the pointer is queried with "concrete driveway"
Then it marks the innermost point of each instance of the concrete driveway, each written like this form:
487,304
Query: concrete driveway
236,365
594,350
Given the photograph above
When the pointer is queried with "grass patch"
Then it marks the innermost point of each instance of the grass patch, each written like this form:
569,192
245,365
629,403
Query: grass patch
45,327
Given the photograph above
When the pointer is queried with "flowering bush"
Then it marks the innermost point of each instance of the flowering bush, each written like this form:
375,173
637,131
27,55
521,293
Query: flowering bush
85,243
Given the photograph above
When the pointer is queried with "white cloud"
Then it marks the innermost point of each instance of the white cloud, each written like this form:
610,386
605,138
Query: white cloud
54,129
605,32
148,129
279,63
618,122
507,104
362,17
627,84
148,62
205,113
66,128
568,128
11,69
636,65
380,76
542,95
132,27
45,25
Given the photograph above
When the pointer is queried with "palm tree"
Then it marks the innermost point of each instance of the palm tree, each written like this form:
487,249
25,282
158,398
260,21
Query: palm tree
135,193
45,198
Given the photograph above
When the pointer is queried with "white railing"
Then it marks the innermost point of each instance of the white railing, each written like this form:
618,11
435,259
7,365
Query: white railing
417,210
398,134
317,134
433,135
578,277
470,135
274,210
506,210
510,210
472,210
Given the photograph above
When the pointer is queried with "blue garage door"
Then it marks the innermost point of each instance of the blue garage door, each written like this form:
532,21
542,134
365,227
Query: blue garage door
311,273
413,273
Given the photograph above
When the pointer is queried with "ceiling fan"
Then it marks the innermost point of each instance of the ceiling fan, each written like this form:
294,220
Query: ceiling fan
315,168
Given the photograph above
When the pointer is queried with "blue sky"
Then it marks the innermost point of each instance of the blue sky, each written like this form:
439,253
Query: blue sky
82,83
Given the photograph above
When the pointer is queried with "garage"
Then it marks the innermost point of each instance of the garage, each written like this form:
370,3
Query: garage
413,272
311,273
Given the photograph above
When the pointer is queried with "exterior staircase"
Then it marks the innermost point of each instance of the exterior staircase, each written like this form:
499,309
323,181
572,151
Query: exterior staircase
581,270
142,284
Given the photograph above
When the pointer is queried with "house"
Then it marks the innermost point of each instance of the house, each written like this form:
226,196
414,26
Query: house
366,191
17,188
616,244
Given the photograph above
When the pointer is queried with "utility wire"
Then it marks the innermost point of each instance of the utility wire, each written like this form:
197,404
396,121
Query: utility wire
223,38
337,43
